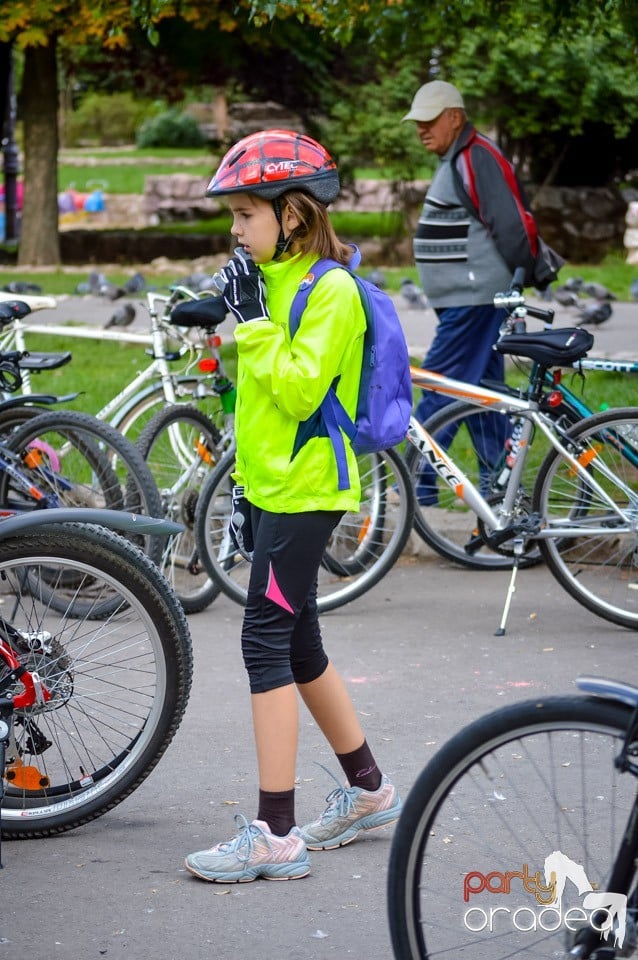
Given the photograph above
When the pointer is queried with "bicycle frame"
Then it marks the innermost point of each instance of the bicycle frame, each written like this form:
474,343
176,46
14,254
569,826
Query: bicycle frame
499,403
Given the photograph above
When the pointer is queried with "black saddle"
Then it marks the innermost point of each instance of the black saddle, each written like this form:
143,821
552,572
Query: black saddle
12,310
207,313
551,348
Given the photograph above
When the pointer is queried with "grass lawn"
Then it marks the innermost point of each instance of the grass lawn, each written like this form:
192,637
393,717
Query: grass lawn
100,369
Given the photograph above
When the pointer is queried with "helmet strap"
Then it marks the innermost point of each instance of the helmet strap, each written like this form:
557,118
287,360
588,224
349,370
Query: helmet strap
283,243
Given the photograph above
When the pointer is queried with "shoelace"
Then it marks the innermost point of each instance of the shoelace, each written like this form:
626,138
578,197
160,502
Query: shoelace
243,844
340,801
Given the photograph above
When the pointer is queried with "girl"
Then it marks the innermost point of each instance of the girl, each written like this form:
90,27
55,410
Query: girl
286,501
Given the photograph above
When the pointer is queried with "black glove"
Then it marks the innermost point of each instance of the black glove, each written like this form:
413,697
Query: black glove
242,286
240,527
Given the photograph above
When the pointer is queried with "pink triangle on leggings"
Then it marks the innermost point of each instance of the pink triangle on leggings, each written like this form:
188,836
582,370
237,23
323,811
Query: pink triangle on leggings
273,592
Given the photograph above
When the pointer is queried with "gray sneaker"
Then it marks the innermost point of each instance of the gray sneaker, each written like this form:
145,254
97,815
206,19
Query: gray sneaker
254,852
351,810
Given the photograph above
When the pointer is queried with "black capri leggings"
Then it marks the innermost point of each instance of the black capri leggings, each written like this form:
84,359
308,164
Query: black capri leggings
281,639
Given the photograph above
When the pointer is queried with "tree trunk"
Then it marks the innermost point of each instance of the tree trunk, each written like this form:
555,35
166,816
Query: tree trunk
39,242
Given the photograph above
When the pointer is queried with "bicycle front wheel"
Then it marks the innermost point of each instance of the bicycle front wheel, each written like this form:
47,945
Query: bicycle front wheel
118,686
363,547
444,521
70,447
518,794
595,557
179,446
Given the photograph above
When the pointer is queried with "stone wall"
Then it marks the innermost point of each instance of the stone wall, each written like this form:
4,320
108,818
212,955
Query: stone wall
583,224
631,233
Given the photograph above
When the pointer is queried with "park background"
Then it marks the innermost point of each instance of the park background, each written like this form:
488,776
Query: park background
115,117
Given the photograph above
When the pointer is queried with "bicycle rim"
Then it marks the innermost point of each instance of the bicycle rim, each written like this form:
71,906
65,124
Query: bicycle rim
598,563
514,788
364,546
180,447
118,687
441,519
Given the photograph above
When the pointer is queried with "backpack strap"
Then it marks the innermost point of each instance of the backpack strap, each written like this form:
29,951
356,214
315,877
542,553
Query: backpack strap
333,412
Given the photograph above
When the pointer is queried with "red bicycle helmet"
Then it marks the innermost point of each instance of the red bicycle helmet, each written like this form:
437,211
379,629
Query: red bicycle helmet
270,162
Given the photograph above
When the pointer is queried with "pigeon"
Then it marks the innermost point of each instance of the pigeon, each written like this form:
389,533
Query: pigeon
599,292
566,298
633,289
95,281
21,286
573,284
595,313
412,294
122,317
377,277
135,284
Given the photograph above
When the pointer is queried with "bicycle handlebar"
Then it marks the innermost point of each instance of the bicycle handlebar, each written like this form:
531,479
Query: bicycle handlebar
513,300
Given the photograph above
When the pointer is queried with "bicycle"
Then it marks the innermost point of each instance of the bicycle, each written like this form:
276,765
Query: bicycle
363,547
199,379
467,433
91,694
181,444
512,807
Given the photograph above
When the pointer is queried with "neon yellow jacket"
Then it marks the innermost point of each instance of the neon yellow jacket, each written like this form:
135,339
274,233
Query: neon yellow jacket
284,465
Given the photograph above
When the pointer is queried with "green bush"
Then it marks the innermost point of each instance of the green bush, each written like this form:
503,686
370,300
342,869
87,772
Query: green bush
170,129
105,119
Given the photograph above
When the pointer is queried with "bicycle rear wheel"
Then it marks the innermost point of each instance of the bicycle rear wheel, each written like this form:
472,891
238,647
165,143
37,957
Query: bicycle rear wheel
596,561
496,803
364,546
180,447
119,686
443,520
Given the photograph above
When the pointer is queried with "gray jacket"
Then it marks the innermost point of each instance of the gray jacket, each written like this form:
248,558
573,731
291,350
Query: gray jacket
465,257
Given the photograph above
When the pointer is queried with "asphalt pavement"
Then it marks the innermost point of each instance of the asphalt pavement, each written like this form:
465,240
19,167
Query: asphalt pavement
420,657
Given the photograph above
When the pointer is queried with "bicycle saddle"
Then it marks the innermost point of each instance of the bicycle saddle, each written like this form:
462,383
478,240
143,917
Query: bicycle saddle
207,313
12,310
551,348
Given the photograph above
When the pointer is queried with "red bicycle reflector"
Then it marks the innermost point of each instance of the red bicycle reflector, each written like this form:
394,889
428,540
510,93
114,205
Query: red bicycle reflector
208,365
555,398
215,340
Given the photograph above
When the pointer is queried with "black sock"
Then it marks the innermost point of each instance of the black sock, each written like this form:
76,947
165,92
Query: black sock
360,768
277,809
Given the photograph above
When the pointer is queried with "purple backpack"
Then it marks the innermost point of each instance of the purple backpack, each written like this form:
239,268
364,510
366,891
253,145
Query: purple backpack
384,405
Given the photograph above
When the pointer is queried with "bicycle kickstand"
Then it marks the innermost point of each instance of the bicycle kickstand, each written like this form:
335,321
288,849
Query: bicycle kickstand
518,544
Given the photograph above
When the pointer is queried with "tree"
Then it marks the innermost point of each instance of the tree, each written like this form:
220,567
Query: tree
42,28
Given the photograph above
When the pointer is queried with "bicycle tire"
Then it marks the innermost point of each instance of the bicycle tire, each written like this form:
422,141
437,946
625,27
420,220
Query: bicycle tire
448,524
134,416
598,567
118,688
179,446
509,789
71,432
231,571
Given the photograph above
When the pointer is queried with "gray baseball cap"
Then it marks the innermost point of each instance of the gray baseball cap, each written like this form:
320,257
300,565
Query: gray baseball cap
432,99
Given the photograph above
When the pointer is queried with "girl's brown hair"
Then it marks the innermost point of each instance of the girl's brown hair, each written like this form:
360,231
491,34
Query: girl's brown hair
315,232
